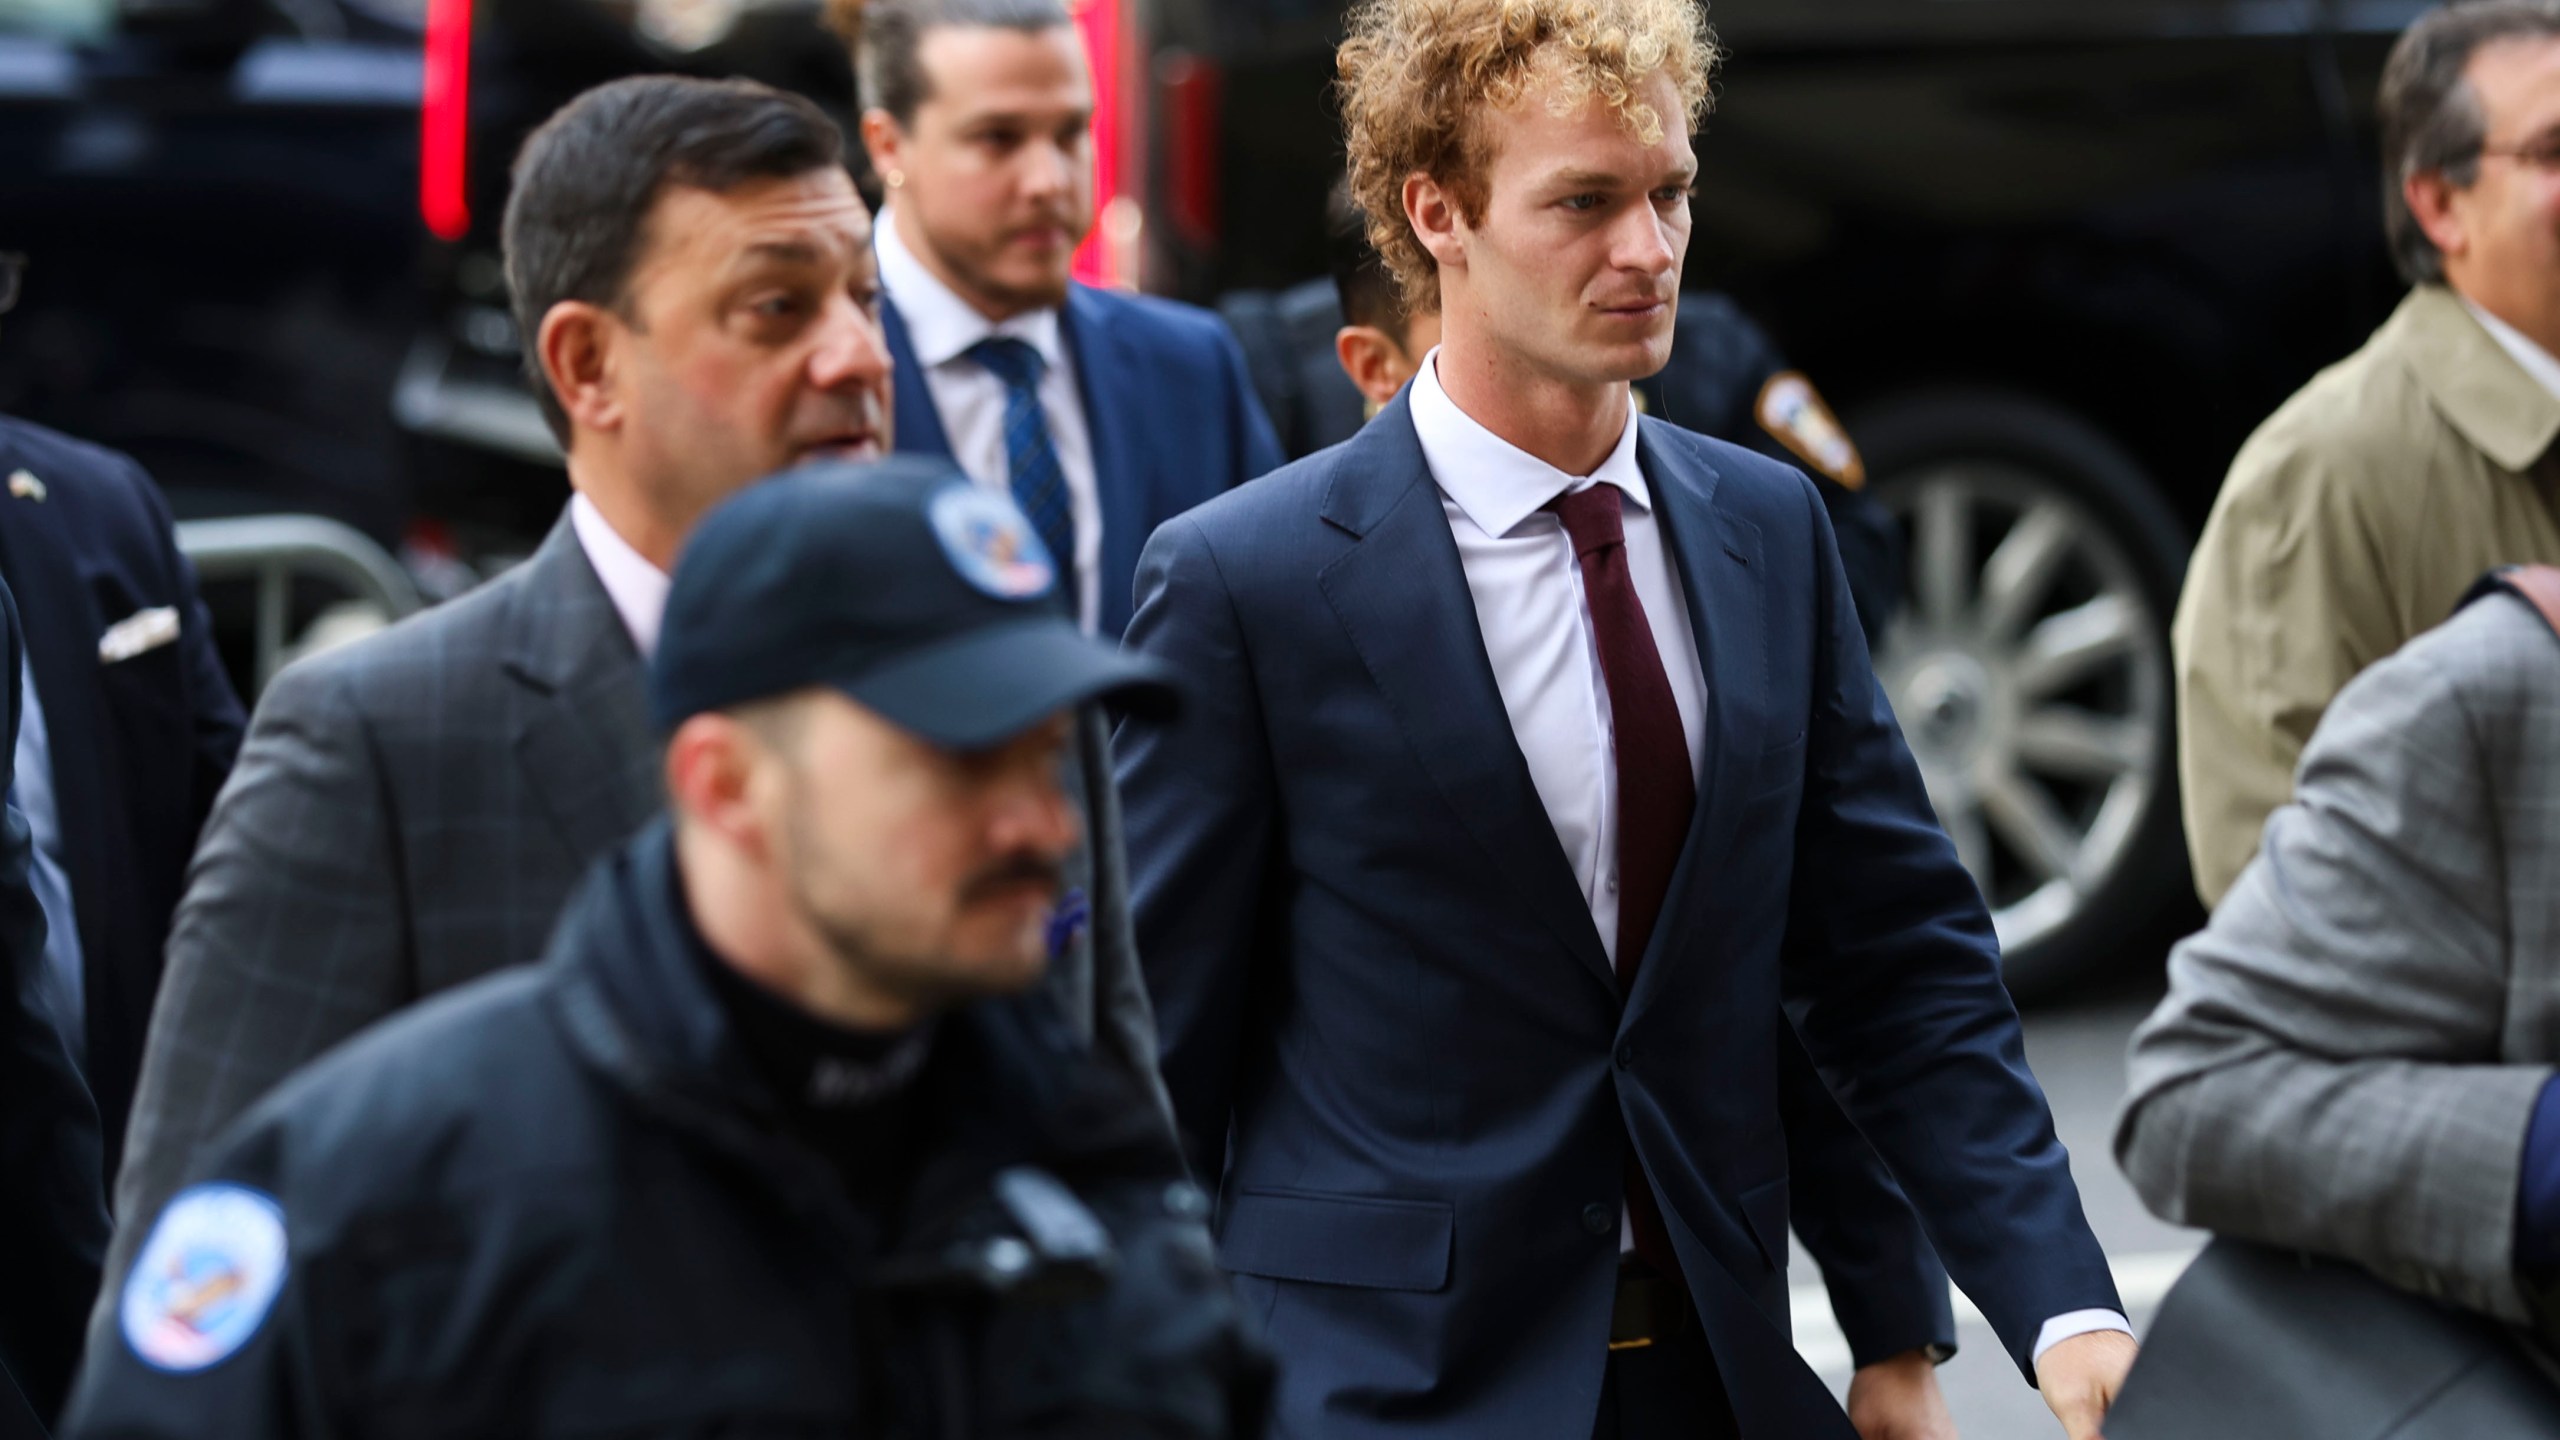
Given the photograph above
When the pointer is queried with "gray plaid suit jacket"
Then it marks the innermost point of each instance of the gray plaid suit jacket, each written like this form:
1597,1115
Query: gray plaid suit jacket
411,812
2348,1056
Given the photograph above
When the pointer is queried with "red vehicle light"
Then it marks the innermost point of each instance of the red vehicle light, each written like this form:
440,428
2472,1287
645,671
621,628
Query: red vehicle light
444,201
1192,89
1101,260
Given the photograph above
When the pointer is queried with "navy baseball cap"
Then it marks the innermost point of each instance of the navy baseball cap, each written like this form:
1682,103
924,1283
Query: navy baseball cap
923,597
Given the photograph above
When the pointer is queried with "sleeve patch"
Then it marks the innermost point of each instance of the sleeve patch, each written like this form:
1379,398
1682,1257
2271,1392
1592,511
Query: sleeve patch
1791,410
206,1279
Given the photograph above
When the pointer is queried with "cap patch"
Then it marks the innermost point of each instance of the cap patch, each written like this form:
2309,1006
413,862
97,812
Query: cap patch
206,1279
990,543
1791,410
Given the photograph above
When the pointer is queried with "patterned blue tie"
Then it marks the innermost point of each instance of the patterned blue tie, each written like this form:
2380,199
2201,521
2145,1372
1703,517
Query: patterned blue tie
1031,461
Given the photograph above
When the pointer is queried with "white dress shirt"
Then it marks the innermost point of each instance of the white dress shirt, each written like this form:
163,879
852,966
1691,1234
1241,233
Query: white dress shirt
2537,362
970,399
637,588
1527,588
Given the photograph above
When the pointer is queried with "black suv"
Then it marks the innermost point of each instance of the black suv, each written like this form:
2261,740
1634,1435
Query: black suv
262,236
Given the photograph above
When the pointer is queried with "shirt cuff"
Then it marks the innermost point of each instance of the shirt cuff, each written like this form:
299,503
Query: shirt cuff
2078,1322
2538,1189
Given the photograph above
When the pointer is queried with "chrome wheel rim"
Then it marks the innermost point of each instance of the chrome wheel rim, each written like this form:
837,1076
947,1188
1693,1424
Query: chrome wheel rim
2029,674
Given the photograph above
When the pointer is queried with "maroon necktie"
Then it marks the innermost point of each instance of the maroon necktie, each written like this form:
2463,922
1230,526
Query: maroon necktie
1656,792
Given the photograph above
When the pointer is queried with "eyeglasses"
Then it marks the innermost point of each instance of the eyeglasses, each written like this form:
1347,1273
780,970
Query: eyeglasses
12,266
2542,154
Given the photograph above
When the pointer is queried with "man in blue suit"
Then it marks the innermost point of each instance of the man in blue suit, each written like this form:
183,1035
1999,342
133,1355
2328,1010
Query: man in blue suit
129,731
1535,778
1104,414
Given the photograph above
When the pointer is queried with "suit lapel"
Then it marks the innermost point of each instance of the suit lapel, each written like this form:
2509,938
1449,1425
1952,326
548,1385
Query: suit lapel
919,425
58,611
1097,349
583,738
1401,595
1720,574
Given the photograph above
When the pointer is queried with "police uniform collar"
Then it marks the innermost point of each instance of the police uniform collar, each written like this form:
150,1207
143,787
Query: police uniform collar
2475,384
810,1065
636,1005
638,1009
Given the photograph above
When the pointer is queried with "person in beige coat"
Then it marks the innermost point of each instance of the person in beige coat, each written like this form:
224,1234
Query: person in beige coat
2361,511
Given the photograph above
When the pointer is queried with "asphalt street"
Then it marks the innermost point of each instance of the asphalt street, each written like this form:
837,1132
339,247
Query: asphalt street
2076,1048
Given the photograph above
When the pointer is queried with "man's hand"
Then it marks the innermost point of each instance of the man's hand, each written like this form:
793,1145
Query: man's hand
1899,1399
2080,1378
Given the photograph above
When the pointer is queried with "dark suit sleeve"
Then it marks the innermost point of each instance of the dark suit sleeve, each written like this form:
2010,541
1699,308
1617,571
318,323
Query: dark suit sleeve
1888,1290
1124,1021
216,721
52,1214
1892,976
292,935
1257,445
1197,795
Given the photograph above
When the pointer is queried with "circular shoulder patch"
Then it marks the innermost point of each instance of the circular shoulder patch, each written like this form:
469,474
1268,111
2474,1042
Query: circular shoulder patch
989,542
207,1277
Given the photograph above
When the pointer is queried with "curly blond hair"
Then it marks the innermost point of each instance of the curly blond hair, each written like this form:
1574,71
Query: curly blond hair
1414,76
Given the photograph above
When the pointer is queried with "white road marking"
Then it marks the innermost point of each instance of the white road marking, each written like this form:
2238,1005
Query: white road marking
2141,1279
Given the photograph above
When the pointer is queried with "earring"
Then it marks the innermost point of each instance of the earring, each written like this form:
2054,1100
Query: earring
896,178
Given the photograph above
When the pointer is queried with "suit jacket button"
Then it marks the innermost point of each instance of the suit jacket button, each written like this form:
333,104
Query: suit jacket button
1598,1218
1626,1054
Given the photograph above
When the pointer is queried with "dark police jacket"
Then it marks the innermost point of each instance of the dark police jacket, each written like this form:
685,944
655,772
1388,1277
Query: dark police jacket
554,1202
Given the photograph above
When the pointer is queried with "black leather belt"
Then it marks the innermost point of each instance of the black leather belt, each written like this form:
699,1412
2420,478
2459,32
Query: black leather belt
1651,1306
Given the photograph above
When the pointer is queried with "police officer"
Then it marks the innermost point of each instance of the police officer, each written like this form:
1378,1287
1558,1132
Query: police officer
781,1138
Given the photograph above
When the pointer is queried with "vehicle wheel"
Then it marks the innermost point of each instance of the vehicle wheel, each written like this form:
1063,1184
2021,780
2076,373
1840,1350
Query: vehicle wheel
2029,668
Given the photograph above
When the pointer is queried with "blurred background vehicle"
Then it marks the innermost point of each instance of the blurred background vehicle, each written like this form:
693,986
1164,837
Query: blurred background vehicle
262,241
2050,259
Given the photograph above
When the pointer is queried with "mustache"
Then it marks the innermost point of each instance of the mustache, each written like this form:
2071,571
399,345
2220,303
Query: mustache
860,412
1021,868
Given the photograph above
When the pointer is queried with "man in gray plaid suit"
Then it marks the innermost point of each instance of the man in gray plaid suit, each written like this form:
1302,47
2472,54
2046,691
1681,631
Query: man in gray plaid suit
693,278
2356,1057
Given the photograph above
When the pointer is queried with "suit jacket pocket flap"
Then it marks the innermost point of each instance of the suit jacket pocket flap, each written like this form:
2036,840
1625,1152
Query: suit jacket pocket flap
1764,1208
1375,1243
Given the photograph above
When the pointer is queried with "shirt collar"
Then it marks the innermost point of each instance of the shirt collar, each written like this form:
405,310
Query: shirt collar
637,588
940,324
2536,361
1497,483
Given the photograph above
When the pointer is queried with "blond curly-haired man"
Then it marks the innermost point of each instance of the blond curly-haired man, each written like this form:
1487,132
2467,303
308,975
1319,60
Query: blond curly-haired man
1534,771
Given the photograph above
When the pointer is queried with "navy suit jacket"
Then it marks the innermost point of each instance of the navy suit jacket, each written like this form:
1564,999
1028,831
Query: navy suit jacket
1173,418
53,1208
140,746
1378,984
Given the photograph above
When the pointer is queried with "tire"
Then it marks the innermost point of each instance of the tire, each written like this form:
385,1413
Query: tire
2029,667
